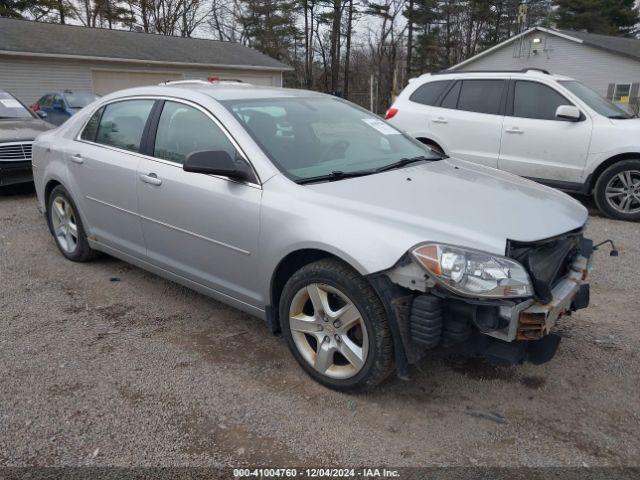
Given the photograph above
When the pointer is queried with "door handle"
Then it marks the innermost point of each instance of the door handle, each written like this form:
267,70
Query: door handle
514,130
440,120
151,179
77,158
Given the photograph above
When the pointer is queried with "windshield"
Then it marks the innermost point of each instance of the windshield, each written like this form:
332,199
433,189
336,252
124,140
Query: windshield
315,137
79,100
590,97
12,108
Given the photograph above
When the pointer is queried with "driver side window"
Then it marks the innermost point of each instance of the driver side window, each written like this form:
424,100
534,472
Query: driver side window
183,129
535,100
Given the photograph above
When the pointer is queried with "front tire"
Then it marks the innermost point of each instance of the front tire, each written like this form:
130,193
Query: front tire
336,326
66,226
617,191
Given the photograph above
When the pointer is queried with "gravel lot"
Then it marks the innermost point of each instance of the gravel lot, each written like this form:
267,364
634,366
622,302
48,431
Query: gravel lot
105,364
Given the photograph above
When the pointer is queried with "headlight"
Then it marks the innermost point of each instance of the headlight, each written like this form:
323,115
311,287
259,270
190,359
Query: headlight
474,273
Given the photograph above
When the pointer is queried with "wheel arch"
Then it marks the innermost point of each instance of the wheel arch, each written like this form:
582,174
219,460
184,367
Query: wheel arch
593,178
48,188
288,265
430,142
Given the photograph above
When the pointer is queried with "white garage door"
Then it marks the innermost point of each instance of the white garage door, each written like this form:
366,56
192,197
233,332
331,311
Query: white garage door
107,81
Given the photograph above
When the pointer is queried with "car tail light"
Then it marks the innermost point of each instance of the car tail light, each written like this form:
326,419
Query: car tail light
390,113
35,107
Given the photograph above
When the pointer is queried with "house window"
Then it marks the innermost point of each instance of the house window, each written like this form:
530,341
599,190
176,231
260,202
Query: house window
622,92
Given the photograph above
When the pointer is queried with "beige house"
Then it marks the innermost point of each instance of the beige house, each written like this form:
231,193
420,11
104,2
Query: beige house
37,58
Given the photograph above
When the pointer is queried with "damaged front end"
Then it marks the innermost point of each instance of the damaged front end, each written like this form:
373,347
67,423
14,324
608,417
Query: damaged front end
501,308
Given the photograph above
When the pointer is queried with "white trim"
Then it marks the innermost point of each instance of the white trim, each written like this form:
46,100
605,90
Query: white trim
141,70
509,40
145,62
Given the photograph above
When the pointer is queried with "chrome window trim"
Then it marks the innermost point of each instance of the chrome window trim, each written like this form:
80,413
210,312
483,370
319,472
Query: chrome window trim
169,98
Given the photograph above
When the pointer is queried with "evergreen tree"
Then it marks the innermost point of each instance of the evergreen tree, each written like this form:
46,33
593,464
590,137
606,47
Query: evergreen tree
270,26
609,17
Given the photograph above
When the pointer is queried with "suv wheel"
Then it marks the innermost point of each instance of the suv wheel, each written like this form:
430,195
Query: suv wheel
66,226
336,326
617,191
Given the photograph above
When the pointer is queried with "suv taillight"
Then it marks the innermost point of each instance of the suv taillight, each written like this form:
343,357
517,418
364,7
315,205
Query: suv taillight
390,113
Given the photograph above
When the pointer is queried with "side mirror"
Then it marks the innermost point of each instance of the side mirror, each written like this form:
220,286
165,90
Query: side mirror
217,162
568,112
41,114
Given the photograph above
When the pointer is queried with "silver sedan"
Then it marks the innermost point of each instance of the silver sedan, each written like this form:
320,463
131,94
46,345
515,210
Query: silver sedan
361,245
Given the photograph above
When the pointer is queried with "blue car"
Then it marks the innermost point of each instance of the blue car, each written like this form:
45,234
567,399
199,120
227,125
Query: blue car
57,107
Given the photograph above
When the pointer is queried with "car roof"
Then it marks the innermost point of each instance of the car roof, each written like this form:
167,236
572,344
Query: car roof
220,91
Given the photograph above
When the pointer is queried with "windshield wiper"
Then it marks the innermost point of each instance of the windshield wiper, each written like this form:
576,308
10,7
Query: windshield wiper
335,175
403,162
618,117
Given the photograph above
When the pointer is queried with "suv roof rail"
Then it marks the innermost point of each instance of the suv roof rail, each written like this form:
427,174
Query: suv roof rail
522,70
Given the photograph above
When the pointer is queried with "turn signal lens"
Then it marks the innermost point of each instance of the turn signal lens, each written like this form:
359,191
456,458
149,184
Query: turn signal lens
428,257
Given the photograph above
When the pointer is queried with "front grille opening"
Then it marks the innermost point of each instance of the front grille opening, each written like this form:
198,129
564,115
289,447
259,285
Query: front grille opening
547,261
15,151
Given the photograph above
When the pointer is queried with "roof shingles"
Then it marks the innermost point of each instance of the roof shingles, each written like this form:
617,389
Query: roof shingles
621,45
55,39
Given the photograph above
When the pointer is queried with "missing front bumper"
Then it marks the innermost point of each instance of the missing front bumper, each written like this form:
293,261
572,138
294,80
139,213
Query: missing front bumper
532,320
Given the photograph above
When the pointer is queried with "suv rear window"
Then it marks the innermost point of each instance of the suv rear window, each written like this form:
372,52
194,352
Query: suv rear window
481,96
428,93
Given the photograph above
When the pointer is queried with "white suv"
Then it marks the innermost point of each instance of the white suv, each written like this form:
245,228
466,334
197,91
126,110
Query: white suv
548,128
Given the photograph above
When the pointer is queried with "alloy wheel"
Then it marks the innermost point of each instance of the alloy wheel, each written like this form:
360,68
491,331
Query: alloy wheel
623,192
328,331
63,222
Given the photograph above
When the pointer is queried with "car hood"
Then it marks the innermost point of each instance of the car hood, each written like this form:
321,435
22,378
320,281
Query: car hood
454,201
22,130
632,124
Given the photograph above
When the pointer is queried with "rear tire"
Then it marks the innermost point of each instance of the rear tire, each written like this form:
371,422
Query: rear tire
617,191
336,327
66,226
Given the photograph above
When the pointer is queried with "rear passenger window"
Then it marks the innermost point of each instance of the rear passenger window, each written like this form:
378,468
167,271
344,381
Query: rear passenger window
428,93
451,99
122,124
183,129
91,128
535,100
481,96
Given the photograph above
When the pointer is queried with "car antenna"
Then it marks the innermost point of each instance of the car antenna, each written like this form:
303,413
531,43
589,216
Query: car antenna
614,250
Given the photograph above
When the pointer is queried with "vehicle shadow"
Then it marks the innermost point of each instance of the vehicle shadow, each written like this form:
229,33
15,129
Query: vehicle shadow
589,203
12,191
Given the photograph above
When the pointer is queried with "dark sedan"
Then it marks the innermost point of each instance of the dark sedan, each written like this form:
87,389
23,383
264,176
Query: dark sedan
18,128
